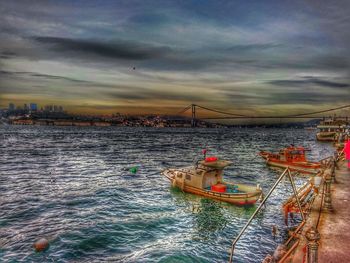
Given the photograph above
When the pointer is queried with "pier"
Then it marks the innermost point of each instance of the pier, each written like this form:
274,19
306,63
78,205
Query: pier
323,235
334,227
332,230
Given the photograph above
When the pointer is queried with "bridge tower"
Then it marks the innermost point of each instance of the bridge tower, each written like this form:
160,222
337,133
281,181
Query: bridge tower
193,121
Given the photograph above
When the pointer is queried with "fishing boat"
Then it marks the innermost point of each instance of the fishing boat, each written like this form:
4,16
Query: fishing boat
329,128
205,179
292,157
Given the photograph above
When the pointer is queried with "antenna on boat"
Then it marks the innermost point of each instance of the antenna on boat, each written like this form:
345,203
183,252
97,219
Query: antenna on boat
204,151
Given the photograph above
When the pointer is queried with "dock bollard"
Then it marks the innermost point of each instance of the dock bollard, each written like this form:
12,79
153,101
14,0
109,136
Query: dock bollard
328,200
312,236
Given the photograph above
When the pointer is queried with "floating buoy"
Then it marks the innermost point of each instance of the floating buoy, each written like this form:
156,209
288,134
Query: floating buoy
41,244
133,170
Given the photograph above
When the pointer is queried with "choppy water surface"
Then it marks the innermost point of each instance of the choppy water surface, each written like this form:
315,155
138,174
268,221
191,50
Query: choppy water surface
72,186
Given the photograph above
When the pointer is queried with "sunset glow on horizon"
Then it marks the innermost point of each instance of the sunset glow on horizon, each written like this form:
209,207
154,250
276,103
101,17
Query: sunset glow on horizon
142,57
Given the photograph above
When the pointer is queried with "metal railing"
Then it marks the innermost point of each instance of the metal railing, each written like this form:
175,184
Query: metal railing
285,172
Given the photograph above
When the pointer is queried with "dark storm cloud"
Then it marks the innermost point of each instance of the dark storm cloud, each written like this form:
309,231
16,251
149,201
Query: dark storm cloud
42,76
182,50
147,56
286,98
149,94
7,55
307,81
254,47
116,49
305,97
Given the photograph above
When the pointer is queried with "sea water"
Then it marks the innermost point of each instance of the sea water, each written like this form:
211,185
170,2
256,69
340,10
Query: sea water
73,186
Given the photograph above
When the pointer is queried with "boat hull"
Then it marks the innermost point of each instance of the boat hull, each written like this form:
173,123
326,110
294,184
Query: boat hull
325,137
240,199
295,167
302,167
191,181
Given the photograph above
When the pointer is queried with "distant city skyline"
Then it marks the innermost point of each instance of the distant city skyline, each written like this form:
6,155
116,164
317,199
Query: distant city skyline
34,107
139,57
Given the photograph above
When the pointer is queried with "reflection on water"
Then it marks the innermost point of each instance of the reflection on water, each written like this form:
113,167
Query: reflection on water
73,186
209,218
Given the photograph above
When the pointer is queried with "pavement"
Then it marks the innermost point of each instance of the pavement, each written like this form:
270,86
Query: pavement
334,227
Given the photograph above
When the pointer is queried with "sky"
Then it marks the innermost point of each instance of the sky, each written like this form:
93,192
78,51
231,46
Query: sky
136,57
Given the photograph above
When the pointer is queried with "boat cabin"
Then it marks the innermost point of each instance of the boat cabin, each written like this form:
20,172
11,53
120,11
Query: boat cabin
333,125
206,173
331,128
292,154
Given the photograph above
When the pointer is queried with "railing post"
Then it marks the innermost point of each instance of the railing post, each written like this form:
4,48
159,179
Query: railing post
334,165
312,236
328,200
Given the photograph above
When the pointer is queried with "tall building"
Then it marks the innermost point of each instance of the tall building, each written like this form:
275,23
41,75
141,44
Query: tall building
33,107
12,107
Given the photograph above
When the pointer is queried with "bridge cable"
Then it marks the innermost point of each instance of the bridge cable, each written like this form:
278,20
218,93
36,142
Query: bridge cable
315,112
184,109
247,116
222,112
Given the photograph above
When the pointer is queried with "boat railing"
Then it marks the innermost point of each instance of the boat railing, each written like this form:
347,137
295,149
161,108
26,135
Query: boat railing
326,162
302,193
340,155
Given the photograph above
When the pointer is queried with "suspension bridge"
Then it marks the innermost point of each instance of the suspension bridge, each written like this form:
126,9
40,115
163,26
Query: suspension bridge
229,115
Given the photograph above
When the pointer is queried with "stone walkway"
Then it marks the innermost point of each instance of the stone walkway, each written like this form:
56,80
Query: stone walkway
334,227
